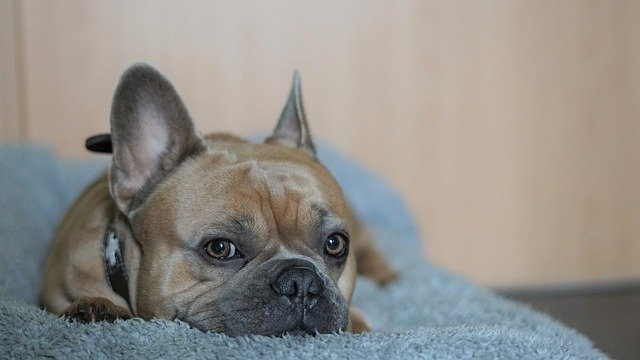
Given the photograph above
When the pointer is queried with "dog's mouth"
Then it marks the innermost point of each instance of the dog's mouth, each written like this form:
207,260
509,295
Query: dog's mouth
300,328
299,331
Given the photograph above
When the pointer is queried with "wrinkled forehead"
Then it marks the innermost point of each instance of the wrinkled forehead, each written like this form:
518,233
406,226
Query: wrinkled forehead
270,194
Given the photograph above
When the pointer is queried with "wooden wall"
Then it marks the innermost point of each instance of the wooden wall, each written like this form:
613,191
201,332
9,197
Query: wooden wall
511,127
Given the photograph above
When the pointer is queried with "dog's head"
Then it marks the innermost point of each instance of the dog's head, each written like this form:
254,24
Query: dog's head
229,236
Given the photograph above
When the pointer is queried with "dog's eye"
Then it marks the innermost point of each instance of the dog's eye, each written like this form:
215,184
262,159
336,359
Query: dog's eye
336,245
221,249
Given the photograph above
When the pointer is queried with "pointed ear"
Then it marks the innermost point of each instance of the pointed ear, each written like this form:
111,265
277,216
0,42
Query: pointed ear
292,129
151,133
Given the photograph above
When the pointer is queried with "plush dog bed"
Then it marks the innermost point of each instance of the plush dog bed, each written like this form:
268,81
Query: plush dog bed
427,314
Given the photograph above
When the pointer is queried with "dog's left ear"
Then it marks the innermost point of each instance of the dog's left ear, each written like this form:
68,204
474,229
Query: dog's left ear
292,129
151,134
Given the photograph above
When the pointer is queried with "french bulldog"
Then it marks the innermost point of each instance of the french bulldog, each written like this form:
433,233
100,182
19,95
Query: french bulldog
224,234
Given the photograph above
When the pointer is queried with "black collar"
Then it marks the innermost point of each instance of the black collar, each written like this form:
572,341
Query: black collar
115,268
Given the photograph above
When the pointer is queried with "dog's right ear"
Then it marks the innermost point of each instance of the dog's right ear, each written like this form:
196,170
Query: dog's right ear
151,133
292,129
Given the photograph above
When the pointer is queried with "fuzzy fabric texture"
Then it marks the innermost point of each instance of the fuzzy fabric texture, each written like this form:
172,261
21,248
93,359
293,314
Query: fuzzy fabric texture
427,314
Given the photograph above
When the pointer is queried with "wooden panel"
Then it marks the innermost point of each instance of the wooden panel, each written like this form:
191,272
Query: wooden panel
11,128
510,126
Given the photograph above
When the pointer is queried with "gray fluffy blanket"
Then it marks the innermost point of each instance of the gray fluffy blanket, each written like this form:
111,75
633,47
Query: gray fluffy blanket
427,314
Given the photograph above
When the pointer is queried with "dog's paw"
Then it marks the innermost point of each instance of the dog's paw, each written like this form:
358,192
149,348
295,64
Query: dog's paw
89,310
357,322
385,276
377,269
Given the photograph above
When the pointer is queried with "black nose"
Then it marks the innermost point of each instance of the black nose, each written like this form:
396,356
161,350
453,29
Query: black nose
299,284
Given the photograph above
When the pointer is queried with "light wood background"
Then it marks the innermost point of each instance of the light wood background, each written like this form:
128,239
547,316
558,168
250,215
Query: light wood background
511,127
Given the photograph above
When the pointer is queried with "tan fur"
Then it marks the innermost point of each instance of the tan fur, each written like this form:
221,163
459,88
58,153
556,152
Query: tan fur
273,182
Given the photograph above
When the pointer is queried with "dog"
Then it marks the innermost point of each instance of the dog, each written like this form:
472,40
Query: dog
224,234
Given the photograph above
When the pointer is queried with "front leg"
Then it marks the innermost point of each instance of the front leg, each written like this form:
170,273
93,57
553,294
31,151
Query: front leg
94,309
371,262
373,265
357,322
